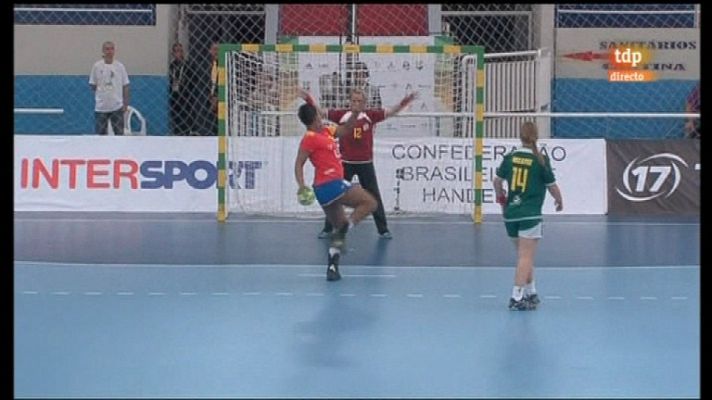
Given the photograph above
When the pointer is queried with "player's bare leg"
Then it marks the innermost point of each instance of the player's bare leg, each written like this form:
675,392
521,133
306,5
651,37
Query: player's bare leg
529,288
526,249
336,215
525,261
363,203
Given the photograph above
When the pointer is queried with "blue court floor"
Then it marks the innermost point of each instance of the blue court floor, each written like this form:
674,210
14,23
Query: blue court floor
154,305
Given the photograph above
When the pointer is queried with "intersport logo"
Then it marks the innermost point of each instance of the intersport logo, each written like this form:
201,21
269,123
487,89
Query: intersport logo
652,177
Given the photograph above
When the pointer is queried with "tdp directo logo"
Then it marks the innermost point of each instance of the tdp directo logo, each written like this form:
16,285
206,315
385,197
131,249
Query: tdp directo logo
652,177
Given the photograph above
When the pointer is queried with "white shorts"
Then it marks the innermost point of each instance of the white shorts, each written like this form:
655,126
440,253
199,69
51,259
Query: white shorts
534,232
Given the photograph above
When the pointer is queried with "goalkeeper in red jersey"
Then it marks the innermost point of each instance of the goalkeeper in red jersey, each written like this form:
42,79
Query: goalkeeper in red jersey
319,146
357,148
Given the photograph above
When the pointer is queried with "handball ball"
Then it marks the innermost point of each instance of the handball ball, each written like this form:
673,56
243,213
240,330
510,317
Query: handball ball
306,196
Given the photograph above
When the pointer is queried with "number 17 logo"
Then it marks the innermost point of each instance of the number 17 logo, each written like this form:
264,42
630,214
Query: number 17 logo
644,174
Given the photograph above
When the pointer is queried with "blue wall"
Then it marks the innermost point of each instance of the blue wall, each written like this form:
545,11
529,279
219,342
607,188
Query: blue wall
569,95
596,95
72,93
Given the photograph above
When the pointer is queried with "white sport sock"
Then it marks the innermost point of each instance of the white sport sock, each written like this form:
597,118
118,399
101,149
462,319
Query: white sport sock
333,251
517,292
530,288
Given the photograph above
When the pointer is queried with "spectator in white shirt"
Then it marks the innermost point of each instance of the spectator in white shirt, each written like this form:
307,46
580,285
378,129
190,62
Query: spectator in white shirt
110,83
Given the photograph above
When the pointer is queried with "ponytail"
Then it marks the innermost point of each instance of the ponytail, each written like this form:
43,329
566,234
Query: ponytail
538,154
529,136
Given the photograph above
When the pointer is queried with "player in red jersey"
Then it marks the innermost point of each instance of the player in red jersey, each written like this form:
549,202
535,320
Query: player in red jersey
319,146
356,148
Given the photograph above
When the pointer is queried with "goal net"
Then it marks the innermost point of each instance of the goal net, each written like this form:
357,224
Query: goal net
259,131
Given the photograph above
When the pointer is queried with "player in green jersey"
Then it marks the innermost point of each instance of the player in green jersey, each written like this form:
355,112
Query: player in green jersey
529,175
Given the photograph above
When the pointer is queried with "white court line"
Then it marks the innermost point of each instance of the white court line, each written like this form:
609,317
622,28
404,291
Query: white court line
435,221
347,275
320,294
23,263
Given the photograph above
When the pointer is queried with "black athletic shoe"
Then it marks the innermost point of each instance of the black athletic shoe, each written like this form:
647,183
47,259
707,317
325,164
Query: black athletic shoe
521,305
338,237
533,298
332,271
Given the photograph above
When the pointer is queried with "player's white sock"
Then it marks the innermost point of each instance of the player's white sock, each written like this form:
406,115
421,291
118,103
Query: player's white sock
333,251
517,292
530,288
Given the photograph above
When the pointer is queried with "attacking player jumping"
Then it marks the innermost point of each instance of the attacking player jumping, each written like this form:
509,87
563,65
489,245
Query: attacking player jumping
319,145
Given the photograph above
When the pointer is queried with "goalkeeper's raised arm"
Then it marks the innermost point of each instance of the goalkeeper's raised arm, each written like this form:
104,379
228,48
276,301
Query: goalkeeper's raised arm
401,105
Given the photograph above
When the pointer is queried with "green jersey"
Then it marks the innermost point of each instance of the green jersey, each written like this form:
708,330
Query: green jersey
527,180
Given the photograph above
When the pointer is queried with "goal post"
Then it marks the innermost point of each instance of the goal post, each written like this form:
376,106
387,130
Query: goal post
258,99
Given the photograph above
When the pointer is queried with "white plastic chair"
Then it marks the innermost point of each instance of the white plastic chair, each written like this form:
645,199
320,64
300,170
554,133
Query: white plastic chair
130,113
